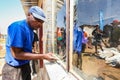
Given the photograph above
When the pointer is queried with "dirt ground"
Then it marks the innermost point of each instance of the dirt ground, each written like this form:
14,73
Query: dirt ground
2,55
2,48
94,66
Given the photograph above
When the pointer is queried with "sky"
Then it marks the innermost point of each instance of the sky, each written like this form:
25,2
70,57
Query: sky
10,11
60,16
88,11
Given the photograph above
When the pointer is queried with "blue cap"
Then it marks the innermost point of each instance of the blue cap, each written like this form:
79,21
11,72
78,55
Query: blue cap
37,12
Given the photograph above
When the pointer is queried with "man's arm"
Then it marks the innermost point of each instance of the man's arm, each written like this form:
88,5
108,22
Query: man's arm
18,53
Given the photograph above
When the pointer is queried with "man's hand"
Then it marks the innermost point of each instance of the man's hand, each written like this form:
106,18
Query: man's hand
49,57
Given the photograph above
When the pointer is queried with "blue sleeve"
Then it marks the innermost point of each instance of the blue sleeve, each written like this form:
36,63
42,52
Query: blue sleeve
79,42
75,39
16,35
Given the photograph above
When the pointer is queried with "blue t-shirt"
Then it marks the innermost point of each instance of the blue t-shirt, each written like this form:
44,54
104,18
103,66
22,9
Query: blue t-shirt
20,35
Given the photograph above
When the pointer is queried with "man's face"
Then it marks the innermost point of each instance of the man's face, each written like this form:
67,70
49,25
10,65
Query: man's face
35,23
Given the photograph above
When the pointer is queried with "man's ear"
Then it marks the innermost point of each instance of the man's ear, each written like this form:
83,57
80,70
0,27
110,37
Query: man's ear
29,14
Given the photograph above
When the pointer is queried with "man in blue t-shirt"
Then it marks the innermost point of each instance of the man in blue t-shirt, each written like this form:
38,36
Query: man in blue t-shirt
19,46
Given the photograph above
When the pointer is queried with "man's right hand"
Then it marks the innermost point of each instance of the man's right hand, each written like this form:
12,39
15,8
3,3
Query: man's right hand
49,57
